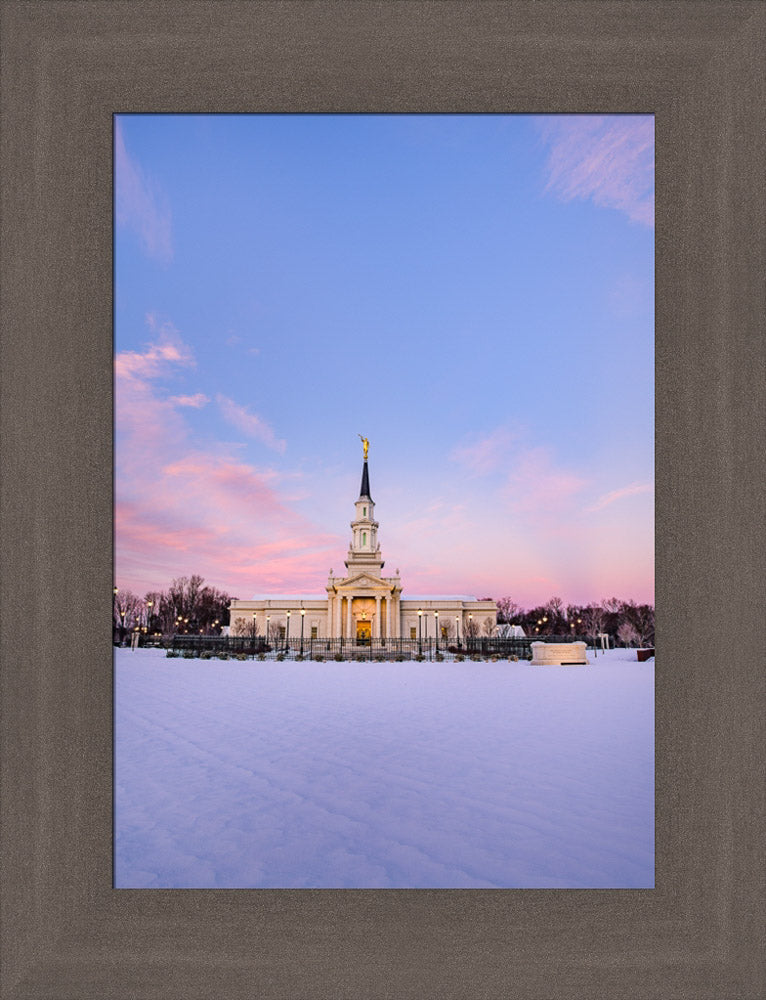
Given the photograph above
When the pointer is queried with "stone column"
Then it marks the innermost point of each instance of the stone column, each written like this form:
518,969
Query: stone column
394,617
349,635
378,633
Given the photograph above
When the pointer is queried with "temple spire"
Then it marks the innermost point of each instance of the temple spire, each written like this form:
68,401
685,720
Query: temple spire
364,490
364,551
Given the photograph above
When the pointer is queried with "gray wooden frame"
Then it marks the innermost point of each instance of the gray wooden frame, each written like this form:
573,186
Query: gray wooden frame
66,67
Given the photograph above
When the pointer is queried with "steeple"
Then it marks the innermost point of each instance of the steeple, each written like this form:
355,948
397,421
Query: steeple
364,551
364,490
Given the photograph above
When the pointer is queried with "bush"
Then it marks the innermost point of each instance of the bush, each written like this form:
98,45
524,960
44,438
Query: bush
339,657
188,654
380,659
261,656
172,652
359,658
223,656
280,656
300,657
475,657
459,657
318,658
439,658
241,656
400,658
207,655
419,658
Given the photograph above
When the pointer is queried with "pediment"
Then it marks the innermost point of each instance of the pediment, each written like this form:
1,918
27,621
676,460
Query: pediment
362,581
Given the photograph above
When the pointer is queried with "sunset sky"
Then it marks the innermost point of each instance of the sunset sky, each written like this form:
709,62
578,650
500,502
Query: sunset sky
474,293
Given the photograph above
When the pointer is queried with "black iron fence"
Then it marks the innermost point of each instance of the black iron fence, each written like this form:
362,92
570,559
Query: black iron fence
349,649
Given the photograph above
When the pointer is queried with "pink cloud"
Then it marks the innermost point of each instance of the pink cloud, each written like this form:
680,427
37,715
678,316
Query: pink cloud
609,159
197,401
184,509
486,454
249,423
535,484
140,205
626,491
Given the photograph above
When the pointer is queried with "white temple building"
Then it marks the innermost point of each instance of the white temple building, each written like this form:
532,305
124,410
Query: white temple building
364,604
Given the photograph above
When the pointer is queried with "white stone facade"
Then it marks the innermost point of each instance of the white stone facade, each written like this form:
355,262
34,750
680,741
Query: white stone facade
364,604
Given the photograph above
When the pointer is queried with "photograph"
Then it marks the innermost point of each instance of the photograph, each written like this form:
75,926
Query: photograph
384,482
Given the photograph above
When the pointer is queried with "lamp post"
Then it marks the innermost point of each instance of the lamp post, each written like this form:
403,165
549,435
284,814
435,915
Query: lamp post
287,633
303,615
436,629
420,631
268,622
470,625
253,635
149,606
457,628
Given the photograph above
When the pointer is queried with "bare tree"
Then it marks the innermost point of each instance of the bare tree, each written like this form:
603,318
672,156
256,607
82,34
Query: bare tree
593,620
488,627
556,619
127,612
471,629
188,604
644,623
508,610
627,634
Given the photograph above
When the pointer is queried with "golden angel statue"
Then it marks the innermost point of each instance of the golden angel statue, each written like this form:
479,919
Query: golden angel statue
365,445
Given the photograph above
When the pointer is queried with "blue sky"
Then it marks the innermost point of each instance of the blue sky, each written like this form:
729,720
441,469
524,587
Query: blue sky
473,293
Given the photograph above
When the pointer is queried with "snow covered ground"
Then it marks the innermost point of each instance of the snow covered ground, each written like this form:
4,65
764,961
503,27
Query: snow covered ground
365,775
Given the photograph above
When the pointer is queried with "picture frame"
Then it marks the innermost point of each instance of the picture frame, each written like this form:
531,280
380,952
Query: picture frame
67,68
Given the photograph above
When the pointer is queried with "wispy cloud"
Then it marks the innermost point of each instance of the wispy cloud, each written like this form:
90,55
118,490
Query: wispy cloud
483,455
537,485
197,401
140,204
609,159
625,491
249,423
185,508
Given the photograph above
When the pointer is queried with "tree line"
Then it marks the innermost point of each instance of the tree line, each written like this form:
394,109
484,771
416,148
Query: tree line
191,606
187,606
624,621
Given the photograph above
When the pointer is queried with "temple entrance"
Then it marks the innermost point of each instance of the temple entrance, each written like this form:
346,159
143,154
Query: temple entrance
363,633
